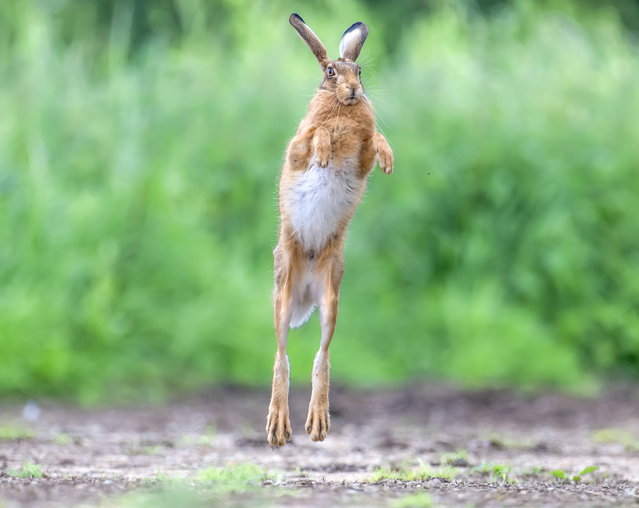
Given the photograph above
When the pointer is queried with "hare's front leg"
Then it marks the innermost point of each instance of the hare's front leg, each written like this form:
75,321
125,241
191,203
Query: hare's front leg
384,153
322,146
317,140
278,426
318,421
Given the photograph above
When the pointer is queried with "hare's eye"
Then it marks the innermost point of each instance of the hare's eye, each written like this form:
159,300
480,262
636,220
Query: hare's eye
331,71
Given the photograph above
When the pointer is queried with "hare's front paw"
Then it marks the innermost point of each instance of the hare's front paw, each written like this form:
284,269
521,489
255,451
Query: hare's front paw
323,156
384,153
278,426
318,422
386,162
322,142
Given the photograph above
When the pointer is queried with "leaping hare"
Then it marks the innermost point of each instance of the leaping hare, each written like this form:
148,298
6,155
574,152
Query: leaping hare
324,176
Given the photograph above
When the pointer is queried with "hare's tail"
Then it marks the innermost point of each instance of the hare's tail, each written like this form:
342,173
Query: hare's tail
301,311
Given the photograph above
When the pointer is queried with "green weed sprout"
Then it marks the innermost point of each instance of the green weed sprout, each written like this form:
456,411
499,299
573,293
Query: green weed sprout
28,470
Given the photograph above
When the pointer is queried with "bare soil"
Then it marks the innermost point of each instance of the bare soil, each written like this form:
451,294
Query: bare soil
94,456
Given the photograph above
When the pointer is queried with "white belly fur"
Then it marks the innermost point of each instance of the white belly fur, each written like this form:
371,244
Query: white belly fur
318,201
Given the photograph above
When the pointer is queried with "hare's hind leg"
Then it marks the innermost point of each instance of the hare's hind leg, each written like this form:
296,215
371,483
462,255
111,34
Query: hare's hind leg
278,426
318,421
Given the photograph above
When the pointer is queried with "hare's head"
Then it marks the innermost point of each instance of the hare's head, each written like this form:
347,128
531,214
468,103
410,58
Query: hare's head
342,76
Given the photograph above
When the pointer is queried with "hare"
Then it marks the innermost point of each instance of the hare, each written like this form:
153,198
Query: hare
322,181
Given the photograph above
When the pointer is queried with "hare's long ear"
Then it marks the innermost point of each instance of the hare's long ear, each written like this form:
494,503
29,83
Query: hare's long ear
352,41
309,37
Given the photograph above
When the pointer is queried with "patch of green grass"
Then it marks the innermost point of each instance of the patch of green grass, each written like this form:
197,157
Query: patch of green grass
501,471
207,438
63,439
183,492
419,500
14,432
405,474
234,477
455,458
496,472
173,496
560,474
623,437
28,470
161,477
499,441
217,480
584,471
143,447
504,472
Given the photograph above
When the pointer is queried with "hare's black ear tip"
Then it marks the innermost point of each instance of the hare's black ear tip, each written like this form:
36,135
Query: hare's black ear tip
355,26
295,16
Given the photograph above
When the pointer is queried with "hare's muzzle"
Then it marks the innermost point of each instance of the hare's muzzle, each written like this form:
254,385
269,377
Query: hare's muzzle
349,93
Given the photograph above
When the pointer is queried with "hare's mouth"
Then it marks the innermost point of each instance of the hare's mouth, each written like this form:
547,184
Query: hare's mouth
348,99
348,95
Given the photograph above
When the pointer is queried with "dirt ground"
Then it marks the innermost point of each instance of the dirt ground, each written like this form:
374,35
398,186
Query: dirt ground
497,447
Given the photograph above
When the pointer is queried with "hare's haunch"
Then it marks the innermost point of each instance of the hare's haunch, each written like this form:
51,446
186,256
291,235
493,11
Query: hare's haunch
324,176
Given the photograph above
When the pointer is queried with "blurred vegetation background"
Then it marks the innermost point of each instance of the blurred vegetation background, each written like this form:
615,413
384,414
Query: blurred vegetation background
140,146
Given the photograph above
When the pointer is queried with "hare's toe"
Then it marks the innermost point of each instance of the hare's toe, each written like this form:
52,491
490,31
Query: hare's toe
318,423
278,427
323,157
386,161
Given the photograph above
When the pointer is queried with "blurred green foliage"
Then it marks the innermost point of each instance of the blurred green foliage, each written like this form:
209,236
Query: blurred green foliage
140,145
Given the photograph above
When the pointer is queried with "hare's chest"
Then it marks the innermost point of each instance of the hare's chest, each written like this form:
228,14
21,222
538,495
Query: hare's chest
321,200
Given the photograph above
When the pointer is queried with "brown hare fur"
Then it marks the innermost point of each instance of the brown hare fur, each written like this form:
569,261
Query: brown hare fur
324,176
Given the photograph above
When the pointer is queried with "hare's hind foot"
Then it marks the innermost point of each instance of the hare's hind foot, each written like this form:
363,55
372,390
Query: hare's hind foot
318,422
278,426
